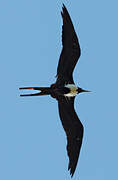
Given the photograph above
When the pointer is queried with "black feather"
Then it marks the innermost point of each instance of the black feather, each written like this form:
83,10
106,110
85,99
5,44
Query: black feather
70,51
73,128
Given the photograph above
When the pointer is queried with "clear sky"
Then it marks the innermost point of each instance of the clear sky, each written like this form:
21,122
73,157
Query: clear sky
32,140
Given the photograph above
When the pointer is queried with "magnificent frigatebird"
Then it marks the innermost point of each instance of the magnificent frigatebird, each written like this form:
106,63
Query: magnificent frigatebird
64,90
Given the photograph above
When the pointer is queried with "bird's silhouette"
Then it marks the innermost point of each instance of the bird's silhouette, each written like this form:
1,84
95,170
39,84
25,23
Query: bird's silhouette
64,90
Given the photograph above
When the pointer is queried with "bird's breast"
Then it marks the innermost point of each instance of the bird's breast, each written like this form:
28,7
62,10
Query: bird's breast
72,90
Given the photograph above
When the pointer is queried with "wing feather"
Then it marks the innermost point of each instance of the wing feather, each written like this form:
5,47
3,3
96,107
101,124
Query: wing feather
70,51
74,131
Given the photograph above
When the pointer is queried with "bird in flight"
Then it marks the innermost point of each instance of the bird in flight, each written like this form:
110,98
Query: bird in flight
64,90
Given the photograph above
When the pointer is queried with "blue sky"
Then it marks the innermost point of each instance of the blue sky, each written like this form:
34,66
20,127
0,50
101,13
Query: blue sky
32,140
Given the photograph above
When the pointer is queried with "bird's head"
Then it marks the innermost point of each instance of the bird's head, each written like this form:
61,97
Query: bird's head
80,90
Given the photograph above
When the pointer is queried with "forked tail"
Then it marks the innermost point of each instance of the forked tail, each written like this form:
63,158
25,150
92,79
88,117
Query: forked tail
43,91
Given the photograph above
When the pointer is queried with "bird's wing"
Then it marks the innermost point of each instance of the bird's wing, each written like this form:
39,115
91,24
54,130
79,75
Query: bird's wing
73,128
70,51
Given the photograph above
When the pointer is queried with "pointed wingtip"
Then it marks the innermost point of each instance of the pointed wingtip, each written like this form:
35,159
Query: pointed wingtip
63,7
63,10
71,171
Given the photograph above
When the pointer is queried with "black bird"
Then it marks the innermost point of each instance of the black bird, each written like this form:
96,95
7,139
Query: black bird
64,90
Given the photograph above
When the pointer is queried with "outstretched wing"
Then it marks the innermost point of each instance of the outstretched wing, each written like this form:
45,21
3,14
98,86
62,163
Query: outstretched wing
73,128
70,52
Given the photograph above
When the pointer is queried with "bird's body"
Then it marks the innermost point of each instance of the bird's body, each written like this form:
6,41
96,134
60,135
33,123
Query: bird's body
64,90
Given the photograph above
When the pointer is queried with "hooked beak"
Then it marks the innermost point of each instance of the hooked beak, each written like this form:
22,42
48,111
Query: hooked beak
85,90
80,90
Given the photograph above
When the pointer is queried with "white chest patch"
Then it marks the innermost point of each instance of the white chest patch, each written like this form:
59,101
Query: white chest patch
73,90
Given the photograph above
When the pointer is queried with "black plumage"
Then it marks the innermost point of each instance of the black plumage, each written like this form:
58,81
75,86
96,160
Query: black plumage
74,131
64,90
70,51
